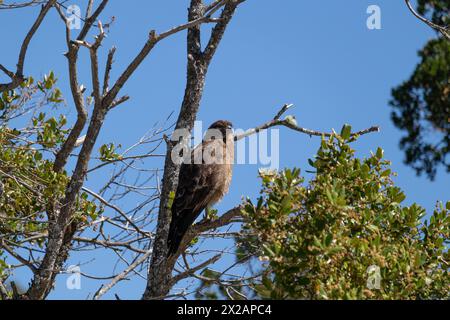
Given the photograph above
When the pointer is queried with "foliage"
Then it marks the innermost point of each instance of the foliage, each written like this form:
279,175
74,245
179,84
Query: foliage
30,189
108,152
422,109
422,103
318,241
439,10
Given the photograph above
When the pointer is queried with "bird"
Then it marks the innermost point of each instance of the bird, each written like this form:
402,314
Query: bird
203,181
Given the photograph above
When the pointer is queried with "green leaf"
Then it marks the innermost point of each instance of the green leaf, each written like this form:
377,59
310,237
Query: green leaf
346,131
379,153
328,240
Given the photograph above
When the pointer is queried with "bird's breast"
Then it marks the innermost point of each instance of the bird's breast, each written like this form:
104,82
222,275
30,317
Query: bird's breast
222,173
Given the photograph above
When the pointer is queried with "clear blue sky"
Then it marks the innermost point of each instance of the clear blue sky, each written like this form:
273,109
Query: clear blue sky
318,55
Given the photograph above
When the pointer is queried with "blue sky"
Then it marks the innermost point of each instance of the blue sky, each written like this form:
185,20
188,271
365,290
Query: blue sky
318,55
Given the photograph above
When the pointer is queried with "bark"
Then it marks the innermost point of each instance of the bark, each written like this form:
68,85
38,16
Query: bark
159,280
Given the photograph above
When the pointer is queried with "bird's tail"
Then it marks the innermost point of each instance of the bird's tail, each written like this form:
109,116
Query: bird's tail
173,243
178,227
176,234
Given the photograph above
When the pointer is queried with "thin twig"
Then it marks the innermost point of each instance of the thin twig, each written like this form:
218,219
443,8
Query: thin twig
18,77
117,209
193,270
121,276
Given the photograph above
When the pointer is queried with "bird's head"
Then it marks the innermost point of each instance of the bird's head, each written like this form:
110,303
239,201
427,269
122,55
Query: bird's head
223,126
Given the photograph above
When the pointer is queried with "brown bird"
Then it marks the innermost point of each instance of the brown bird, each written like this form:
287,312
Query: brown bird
202,182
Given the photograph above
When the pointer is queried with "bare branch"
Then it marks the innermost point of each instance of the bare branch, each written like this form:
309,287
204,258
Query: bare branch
18,77
90,21
3,291
290,123
117,209
153,39
77,95
119,101
191,271
220,28
14,5
63,229
89,9
206,225
17,256
94,64
108,67
109,244
121,276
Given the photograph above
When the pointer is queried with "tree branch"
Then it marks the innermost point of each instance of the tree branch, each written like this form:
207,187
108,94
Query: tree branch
18,77
153,39
159,275
90,21
109,62
121,276
117,209
191,271
63,228
17,256
290,123
3,291
77,95
220,28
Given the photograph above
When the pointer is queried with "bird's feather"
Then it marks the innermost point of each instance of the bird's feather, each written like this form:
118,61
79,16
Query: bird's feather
199,185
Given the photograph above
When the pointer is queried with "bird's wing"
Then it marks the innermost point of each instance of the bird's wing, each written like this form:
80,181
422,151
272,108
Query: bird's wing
193,189
191,198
